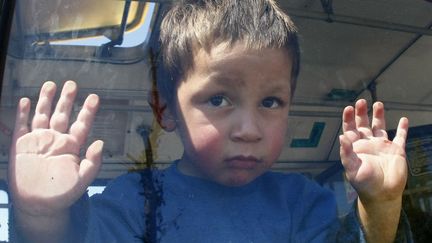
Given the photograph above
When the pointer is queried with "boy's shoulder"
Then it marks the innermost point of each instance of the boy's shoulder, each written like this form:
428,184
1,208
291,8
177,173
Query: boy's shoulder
283,178
134,180
293,185
288,186
129,179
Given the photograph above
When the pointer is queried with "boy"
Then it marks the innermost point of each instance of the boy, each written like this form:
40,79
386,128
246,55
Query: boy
232,68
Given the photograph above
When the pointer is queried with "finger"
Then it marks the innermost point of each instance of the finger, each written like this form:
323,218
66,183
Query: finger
43,107
81,127
21,128
348,119
60,118
362,119
349,159
90,166
348,124
378,120
22,118
401,132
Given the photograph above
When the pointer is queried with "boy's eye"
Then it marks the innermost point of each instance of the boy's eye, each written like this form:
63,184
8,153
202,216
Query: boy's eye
218,101
271,102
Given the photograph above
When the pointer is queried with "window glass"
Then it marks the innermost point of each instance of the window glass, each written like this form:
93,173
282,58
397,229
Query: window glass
95,190
133,36
4,215
350,50
46,21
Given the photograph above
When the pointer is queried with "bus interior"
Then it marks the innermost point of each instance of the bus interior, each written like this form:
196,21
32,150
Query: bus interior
378,50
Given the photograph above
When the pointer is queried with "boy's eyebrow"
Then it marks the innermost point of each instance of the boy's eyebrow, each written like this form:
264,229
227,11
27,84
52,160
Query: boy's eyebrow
281,87
226,80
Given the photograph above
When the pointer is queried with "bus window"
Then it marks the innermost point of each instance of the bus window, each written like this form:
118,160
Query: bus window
373,50
4,216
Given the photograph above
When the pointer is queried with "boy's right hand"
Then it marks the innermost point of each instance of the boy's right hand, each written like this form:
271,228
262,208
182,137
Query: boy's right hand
46,174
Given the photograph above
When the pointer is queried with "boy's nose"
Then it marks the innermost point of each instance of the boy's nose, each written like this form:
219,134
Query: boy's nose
246,128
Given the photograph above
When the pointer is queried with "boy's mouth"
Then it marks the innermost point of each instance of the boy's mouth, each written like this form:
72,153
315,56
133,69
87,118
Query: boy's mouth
242,162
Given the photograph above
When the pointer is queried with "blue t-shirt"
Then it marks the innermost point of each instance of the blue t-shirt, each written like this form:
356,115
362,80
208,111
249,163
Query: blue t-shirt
275,207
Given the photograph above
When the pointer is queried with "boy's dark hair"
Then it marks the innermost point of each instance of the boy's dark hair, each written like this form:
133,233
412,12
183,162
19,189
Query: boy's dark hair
193,24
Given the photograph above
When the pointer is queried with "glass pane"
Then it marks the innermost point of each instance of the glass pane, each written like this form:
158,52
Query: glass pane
49,20
132,36
4,230
350,50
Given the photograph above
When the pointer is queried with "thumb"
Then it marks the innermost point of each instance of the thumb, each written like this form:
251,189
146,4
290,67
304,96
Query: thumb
90,166
349,159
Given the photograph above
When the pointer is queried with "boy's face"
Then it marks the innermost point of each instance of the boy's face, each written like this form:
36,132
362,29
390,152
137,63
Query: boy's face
232,110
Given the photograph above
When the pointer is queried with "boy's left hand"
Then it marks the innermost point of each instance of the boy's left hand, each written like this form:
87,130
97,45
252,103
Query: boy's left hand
375,166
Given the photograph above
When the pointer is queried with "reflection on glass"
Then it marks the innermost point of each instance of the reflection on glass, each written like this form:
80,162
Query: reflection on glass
350,50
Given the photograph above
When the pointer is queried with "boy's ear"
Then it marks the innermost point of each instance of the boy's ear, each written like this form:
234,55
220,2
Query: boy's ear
162,112
168,121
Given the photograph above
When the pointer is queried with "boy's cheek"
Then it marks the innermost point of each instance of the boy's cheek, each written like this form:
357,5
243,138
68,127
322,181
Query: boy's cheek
207,139
276,140
275,150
